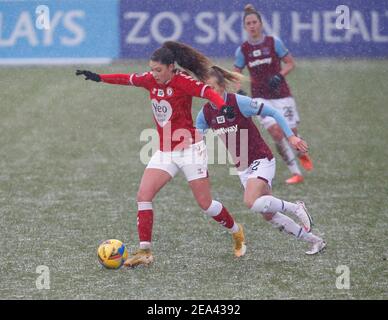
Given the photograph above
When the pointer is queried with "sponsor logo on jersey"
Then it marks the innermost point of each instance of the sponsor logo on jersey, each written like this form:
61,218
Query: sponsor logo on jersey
162,111
220,119
226,130
259,62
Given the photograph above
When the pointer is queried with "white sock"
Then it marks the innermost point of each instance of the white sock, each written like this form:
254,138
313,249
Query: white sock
144,206
266,204
214,209
309,237
145,245
285,223
235,228
288,156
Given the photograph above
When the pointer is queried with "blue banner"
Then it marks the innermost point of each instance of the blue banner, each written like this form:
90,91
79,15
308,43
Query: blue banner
316,28
91,29
58,30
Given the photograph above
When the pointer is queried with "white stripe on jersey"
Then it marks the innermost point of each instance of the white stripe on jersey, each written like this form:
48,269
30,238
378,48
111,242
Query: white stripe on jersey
130,78
203,90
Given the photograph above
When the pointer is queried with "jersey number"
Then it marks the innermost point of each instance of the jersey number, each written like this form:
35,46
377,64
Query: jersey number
254,165
288,113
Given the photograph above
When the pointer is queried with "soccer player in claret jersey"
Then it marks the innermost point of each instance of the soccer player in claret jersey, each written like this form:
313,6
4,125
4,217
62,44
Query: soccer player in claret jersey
181,147
256,167
263,56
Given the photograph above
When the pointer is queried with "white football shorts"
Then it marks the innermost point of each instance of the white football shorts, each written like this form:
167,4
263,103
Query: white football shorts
259,169
287,107
192,161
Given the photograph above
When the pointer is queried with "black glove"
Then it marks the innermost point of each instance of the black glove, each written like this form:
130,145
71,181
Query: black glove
228,112
275,81
242,92
89,75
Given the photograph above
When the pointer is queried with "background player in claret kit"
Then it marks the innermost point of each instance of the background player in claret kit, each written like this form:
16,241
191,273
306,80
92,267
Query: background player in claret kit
258,169
181,147
263,56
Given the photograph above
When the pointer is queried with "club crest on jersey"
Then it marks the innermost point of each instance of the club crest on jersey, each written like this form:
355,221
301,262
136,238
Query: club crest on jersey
220,119
160,93
256,53
154,90
169,91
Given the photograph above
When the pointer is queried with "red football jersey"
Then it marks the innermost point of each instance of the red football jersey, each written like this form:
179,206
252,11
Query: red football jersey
171,106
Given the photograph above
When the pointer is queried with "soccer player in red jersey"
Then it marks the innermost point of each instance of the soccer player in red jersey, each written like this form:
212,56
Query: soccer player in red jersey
181,147
253,158
263,56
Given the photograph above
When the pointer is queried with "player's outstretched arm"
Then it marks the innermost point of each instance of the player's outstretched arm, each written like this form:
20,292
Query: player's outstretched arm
296,142
122,79
256,107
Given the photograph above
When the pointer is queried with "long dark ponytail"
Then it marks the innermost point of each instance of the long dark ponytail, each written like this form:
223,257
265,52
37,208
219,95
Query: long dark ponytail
225,77
194,62
187,57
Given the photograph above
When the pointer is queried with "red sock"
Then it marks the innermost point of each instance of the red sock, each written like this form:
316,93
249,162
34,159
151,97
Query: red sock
224,218
145,219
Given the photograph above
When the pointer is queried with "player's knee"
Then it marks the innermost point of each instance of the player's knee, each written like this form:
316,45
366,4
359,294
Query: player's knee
249,202
268,216
278,136
204,203
276,132
261,204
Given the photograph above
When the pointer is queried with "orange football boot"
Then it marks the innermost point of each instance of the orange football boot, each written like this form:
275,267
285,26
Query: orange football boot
306,162
296,178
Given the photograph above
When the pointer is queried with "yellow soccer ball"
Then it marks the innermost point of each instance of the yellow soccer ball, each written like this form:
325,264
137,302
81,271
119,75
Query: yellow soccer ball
112,253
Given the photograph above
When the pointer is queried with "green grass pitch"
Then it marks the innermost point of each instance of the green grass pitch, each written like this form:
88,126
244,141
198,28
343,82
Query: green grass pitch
70,168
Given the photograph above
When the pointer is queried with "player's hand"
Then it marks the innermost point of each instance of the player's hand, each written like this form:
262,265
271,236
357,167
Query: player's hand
88,75
275,81
298,144
242,92
228,112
